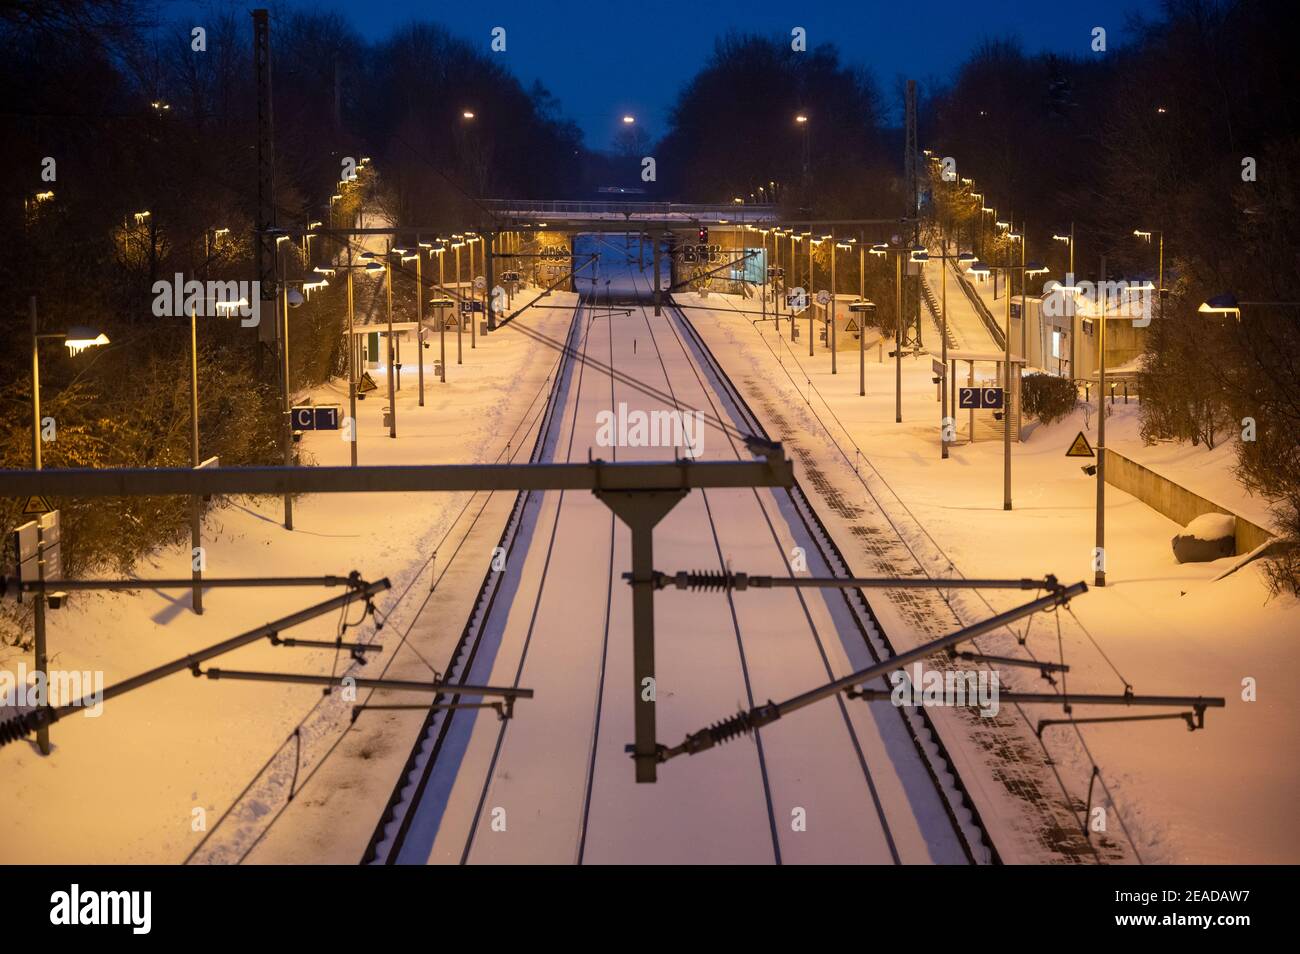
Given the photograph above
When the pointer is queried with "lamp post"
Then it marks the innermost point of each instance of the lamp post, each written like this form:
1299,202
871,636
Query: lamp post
847,246
374,269
460,324
944,397
812,309
471,238
196,529
77,339
440,250
286,301
417,254
982,270
894,249
1069,241
392,376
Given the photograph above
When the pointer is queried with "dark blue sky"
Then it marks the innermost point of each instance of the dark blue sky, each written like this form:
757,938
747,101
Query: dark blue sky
604,59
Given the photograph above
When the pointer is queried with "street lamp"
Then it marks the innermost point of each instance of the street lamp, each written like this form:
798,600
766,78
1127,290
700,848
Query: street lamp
460,325
76,339
392,377
1227,304
441,302
812,311
1068,239
883,249
921,254
982,270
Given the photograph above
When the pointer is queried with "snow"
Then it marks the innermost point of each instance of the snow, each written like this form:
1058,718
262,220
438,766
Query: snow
1222,795
1212,526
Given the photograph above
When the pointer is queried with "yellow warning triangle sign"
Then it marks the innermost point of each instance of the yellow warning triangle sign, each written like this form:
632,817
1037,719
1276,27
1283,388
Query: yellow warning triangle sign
851,327
36,504
1080,447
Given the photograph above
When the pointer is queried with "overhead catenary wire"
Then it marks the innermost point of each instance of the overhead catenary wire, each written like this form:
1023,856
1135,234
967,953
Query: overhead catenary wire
951,565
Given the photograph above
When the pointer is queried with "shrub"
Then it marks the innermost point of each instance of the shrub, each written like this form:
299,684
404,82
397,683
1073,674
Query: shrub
1047,397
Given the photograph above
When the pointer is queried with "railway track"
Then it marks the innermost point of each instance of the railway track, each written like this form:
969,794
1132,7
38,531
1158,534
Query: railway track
559,763
961,810
394,825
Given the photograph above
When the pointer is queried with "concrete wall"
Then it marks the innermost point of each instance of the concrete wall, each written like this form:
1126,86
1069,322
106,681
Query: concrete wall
1173,500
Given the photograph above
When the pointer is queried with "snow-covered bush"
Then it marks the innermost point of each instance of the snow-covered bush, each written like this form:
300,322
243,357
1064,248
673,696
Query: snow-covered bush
1046,397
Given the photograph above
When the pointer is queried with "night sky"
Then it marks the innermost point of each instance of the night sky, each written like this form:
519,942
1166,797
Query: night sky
603,60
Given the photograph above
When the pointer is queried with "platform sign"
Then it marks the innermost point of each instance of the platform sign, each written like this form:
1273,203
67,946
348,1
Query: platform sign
979,398
796,299
34,540
862,305
316,417
1080,447
470,307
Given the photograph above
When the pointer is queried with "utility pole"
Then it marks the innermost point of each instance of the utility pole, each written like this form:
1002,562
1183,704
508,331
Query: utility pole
1099,554
264,240
912,190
